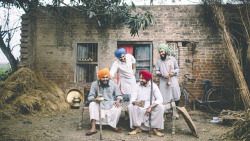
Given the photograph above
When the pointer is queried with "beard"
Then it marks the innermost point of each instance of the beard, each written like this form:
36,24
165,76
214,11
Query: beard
123,60
164,57
143,83
104,85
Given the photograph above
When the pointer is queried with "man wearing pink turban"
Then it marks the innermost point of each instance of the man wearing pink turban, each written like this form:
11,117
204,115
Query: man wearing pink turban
139,112
110,106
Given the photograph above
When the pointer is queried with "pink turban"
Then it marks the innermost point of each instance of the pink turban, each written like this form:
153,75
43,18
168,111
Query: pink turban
145,74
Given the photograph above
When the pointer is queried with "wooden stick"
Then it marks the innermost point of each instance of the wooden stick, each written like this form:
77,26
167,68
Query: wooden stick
172,103
174,114
98,90
151,95
168,82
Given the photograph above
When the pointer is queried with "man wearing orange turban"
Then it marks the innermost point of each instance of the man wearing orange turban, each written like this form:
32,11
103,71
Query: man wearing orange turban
103,72
111,107
139,113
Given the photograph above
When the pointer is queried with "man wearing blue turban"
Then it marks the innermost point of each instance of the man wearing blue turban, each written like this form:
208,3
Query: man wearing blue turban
119,52
162,69
125,65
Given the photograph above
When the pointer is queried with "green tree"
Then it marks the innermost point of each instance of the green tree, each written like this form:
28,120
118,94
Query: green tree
104,12
7,32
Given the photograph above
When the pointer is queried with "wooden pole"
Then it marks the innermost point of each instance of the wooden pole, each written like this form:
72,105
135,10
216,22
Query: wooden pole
100,112
151,96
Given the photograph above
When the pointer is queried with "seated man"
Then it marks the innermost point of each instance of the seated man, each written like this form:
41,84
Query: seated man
110,106
139,112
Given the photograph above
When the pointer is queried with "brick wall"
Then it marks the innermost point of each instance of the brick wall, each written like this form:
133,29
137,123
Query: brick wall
49,42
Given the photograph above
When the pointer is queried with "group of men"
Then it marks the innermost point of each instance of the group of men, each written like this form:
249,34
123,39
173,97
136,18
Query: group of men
138,94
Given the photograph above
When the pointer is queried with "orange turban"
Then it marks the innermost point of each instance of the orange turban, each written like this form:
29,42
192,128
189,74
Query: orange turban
103,72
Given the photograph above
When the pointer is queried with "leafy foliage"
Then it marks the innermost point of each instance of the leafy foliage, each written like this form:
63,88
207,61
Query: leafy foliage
5,72
104,12
107,12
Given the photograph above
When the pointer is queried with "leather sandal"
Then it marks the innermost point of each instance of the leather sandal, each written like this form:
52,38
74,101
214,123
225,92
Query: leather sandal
90,133
159,134
117,130
134,132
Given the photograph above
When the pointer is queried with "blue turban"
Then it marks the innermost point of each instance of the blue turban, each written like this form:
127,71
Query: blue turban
119,52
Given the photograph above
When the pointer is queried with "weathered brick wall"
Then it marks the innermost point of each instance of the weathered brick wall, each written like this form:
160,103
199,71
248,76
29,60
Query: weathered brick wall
53,38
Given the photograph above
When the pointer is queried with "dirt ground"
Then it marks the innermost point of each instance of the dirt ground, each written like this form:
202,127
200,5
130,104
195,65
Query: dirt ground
63,126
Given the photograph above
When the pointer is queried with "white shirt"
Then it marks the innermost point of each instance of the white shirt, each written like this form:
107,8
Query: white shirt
143,93
127,79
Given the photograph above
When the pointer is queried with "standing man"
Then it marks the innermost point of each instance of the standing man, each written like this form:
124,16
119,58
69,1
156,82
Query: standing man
125,65
139,110
110,106
162,70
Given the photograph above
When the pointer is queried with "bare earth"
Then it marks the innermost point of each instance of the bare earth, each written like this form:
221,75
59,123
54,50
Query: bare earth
63,126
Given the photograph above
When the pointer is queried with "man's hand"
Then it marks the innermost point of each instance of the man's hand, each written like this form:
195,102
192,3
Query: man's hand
117,104
137,103
134,69
165,76
95,100
172,74
148,111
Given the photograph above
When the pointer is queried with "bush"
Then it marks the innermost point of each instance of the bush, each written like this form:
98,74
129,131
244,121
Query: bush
5,72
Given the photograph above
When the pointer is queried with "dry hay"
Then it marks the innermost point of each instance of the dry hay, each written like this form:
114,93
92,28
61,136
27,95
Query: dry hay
27,92
240,129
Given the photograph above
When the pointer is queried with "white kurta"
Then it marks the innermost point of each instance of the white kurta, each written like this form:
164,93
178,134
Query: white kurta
137,114
109,116
127,79
163,67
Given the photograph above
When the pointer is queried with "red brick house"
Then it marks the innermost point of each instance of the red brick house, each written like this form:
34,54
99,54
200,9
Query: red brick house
66,49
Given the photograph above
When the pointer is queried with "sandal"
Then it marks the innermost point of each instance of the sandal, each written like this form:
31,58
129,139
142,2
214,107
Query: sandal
159,134
134,132
117,130
90,133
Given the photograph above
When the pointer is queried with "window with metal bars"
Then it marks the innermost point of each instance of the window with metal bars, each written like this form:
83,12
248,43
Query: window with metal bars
86,62
174,50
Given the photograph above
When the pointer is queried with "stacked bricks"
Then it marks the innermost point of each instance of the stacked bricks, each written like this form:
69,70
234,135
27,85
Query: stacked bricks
24,41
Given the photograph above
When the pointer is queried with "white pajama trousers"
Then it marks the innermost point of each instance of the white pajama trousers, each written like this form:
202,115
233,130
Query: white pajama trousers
139,119
108,116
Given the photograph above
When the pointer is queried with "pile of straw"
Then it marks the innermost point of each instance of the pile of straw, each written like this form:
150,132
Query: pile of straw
28,92
240,129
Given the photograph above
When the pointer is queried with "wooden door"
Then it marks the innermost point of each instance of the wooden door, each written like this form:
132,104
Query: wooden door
129,50
142,56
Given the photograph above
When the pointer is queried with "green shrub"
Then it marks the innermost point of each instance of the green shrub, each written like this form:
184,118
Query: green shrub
5,72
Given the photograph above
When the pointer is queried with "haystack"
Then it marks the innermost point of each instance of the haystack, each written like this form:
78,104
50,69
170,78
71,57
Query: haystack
28,92
240,129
